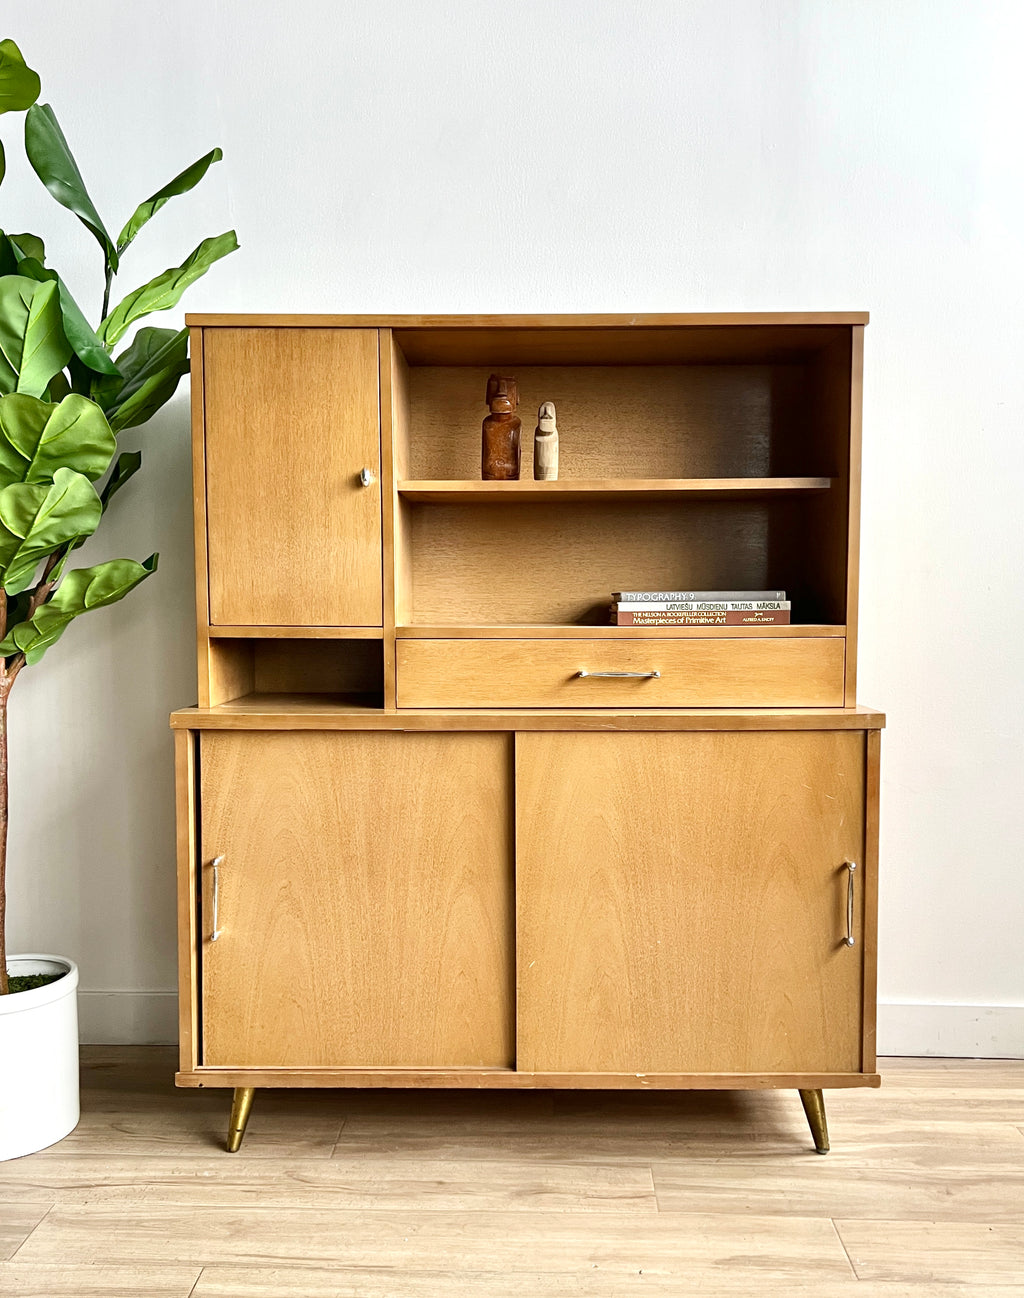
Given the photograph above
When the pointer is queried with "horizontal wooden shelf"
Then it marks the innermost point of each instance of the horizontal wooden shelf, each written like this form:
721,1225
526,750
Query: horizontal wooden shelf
335,712
604,631
288,704
545,323
451,492
296,632
512,1079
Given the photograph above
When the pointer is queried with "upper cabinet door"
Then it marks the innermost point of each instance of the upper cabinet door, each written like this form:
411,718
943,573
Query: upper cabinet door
292,419
682,902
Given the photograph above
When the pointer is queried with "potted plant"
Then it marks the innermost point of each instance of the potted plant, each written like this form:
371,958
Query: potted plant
64,398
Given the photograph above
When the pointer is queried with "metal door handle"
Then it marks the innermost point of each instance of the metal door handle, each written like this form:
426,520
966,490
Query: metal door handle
366,476
640,676
217,860
850,940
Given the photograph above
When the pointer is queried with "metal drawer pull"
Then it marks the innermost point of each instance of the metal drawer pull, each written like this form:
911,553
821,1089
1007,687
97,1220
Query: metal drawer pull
365,477
216,891
640,676
851,866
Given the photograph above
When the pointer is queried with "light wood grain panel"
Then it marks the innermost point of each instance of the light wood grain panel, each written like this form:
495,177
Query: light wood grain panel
542,631
799,1186
581,320
728,1149
869,883
17,1222
397,553
322,712
521,563
185,831
753,1126
403,1078
961,1252
365,897
456,492
198,1131
291,418
327,666
198,422
853,535
387,1282
546,673
618,421
230,670
693,918
459,1241
436,1186
296,633
130,1281
388,506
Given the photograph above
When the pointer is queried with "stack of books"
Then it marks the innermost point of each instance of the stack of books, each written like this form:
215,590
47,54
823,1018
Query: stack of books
700,608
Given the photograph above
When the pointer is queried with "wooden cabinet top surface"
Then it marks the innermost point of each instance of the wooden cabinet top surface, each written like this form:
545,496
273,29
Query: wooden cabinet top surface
579,321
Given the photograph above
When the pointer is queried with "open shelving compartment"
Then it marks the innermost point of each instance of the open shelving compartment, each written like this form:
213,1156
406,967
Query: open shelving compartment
261,669
690,456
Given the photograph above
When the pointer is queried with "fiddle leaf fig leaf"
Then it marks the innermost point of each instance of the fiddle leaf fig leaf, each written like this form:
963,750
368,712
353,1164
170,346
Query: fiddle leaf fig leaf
28,245
81,590
19,85
36,519
33,346
78,331
128,464
39,437
150,369
181,184
53,162
163,292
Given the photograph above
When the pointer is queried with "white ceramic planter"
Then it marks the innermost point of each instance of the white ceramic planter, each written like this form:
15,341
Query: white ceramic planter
38,1058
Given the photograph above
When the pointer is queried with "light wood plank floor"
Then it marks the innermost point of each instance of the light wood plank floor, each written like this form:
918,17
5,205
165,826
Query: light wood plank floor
526,1195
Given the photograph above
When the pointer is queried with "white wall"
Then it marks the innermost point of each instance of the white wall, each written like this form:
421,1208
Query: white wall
398,155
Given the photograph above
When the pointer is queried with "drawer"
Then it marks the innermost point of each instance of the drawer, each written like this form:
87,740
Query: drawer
694,673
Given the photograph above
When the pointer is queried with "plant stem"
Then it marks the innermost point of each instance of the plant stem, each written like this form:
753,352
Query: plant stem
108,280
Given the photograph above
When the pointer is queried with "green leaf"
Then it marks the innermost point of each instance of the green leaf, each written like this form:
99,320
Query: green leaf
19,85
128,464
39,437
162,293
78,331
32,343
81,590
181,184
28,245
54,164
36,519
3,162
46,349
151,366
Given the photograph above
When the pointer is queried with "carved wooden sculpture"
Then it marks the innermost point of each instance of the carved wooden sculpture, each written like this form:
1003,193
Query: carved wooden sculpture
545,444
502,431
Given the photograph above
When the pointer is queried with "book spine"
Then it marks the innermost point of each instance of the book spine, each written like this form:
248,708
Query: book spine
705,606
736,617
685,596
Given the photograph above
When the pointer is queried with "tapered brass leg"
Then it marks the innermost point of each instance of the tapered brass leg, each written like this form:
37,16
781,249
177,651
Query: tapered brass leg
814,1107
241,1107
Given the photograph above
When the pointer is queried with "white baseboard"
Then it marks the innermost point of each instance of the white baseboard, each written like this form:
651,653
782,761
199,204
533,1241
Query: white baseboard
127,1018
943,1031
951,1031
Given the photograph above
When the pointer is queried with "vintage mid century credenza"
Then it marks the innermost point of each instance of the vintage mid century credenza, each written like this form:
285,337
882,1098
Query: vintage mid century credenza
439,823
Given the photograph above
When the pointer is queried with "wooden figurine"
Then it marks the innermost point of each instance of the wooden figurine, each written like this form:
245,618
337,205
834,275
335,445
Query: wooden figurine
502,432
545,445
